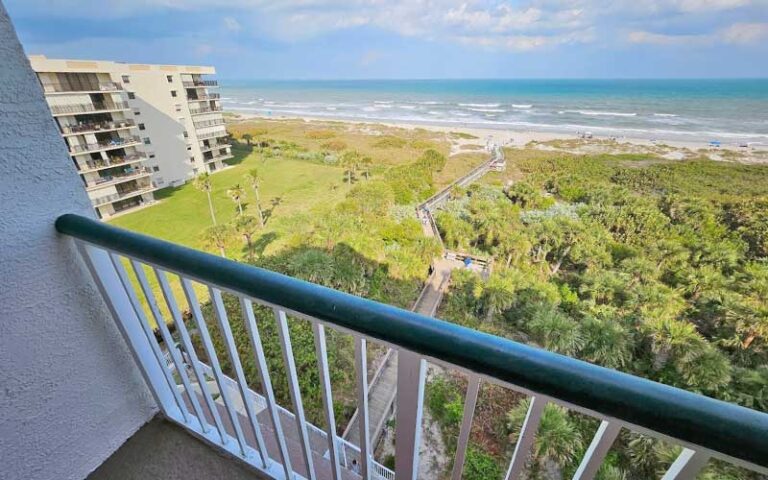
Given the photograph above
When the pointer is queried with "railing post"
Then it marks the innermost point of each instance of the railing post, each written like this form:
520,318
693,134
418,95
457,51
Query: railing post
108,282
688,464
410,402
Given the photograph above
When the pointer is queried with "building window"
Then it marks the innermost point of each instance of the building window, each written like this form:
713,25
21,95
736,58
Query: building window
136,112
186,135
126,79
147,141
191,159
155,168
178,107
169,78
189,148
131,96
173,93
142,126
151,155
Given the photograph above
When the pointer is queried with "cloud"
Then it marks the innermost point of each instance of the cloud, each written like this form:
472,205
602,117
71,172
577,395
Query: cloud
735,34
745,33
232,24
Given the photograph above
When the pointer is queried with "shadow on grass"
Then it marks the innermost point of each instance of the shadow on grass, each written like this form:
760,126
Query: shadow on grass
167,192
240,152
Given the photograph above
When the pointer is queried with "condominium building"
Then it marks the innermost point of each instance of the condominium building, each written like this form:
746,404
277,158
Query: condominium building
134,128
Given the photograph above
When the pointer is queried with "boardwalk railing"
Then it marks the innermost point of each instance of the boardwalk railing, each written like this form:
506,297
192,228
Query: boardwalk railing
704,427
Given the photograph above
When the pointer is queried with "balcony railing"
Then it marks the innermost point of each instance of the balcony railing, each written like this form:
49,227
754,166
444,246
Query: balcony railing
219,156
213,146
118,177
100,201
201,83
199,111
704,427
88,108
209,123
216,133
117,142
100,87
90,127
204,96
92,165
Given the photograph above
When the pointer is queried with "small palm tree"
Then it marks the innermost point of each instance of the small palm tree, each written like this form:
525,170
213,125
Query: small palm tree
247,137
254,181
237,194
216,236
203,183
367,163
246,226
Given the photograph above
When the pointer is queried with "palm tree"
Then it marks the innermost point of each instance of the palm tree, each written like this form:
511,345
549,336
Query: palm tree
237,194
203,183
350,161
216,236
246,226
254,181
558,441
367,163
247,137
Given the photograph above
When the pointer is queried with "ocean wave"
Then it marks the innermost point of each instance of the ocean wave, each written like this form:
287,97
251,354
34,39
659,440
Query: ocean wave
665,115
382,102
330,108
522,107
488,110
432,112
407,107
480,105
430,102
598,113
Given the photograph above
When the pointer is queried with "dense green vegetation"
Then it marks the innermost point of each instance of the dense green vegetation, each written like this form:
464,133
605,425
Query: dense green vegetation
654,268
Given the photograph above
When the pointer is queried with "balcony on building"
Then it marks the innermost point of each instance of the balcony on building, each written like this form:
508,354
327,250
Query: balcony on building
115,158
216,142
99,105
206,109
105,142
195,96
92,125
114,176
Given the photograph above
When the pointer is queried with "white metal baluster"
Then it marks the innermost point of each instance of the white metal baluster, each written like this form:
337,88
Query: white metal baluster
218,375
601,443
150,336
325,383
98,263
688,464
168,339
170,300
266,382
245,393
411,369
361,361
470,400
526,438
293,388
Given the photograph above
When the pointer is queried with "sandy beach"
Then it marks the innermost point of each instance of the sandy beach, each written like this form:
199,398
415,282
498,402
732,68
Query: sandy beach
548,140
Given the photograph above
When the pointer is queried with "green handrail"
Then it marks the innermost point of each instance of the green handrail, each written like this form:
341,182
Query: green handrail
722,427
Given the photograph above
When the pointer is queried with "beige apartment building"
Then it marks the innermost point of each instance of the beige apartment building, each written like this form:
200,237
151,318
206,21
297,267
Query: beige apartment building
134,128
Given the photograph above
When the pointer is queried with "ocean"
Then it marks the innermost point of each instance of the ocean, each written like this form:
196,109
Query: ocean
731,111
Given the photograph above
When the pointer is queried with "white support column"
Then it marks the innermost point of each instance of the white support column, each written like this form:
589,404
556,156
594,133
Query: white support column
108,282
526,438
470,400
325,383
595,454
293,388
688,464
361,363
266,383
411,369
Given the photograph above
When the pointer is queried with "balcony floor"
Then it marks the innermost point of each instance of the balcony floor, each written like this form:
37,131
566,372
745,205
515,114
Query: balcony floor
161,449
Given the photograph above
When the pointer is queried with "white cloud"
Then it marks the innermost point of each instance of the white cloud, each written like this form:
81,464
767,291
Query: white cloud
231,24
745,33
738,33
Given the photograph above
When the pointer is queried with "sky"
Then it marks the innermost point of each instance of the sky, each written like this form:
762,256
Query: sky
382,39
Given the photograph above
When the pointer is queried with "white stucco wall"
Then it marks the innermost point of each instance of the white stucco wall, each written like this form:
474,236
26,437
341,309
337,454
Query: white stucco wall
70,393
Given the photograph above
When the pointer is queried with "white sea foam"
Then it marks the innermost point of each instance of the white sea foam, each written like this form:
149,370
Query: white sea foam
431,102
488,110
407,107
480,105
382,102
598,113
432,112
665,115
522,107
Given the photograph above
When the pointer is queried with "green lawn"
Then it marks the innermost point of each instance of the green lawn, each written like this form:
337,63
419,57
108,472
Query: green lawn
287,187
